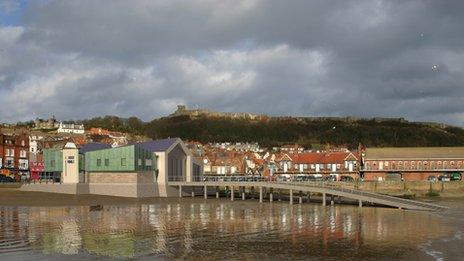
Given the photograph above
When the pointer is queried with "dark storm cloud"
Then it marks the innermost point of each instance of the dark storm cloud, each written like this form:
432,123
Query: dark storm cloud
318,58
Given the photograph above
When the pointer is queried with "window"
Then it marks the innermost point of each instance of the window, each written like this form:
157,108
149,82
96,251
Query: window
123,161
23,143
70,160
23,164
107,162
139,162
10,163
99,162
148,162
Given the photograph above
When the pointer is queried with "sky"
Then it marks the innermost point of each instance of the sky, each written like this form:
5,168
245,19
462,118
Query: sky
372,58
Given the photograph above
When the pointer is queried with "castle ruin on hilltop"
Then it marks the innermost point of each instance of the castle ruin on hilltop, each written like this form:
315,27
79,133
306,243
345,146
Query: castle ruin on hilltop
195,113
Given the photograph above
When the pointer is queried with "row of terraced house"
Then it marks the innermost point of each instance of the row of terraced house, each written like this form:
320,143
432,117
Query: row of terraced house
369,164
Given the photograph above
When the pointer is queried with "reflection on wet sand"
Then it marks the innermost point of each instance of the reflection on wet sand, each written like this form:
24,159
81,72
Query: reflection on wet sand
216,229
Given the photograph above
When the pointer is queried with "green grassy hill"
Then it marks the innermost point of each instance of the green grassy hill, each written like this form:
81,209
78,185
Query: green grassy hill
311,132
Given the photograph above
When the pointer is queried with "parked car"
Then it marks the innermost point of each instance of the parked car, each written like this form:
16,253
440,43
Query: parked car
455,176
346,178
330,178
301,178
283,178
5,179
444,177
432,179
315,177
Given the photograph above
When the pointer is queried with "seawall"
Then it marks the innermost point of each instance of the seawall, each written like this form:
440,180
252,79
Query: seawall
419,188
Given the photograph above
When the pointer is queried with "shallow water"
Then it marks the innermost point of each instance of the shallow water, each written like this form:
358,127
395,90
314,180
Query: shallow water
218,229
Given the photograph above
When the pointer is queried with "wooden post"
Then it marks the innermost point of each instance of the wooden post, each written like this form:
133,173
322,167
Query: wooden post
205,191
232,193
260,194
291,197
217,192
323,199
180,191
360,203
243,193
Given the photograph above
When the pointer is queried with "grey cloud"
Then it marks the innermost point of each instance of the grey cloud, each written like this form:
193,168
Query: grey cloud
376,58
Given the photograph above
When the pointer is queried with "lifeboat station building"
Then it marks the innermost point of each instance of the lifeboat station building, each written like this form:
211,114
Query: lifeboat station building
137,170
411,163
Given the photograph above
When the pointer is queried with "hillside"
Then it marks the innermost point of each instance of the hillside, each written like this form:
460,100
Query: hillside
310,132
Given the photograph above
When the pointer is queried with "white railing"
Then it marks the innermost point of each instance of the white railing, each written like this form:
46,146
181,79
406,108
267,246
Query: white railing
347,187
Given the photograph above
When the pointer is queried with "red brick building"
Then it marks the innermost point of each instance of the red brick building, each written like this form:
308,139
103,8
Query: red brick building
411,163
36,168
14,154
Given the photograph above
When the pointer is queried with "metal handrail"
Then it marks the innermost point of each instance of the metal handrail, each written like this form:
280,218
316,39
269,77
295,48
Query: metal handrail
316,184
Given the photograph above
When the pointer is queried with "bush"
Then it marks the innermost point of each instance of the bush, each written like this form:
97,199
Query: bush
432,194
409,196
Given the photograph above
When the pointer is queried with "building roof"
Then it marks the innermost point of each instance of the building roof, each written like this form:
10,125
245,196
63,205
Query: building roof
70,145
414,153
72,126
322,157
157,145
93,146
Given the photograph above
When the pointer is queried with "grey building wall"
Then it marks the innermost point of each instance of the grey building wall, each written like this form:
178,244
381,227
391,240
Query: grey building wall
177,163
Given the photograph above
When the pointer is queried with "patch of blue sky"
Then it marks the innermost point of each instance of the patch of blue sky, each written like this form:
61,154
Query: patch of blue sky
11,12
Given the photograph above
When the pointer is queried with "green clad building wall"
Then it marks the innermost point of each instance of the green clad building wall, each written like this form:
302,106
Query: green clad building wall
53,160
123,159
